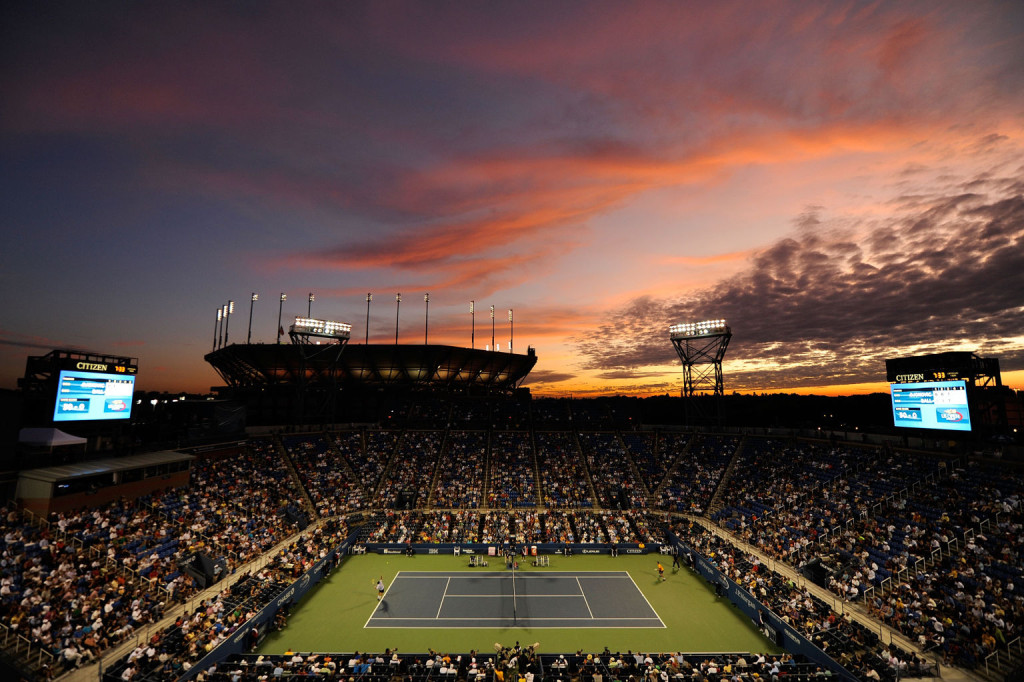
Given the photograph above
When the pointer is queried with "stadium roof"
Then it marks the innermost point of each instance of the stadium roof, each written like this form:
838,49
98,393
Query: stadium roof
261,365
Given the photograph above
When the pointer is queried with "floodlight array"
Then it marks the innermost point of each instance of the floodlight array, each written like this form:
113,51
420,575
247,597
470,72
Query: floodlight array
309,325
701,328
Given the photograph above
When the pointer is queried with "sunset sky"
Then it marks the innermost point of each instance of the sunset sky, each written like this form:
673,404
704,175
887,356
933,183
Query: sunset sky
841,181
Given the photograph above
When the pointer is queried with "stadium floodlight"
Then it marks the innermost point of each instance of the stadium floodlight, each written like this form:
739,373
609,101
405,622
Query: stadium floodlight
216,328
398,307
426,317
702,328
472,323
511,330
369,297
280,305
227,320
309,308
309,326
492,326
255,297
224,317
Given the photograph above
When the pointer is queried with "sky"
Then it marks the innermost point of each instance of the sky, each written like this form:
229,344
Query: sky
842,182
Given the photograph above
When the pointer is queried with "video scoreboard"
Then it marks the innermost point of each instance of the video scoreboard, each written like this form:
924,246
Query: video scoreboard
88,391
931,405
931,391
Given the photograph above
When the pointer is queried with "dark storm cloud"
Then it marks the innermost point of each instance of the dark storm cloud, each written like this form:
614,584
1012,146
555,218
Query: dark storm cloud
826,307
547,376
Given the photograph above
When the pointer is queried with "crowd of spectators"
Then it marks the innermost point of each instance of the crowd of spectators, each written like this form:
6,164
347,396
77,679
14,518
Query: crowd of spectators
854,646
930,547
933,551
368,462
654,454
450,526
611,471
328,480
174,649
511,478
411,469
89,579
391,526
564,482
515,663
65,598
460,480
696,472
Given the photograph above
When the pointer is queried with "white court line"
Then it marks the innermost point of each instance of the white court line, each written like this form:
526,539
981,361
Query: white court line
434,575
505,596
442,598
530,618
380,601
500,574
646,600
585,599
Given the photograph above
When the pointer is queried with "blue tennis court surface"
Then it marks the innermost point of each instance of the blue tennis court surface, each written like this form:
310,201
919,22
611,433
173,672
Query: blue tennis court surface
590,599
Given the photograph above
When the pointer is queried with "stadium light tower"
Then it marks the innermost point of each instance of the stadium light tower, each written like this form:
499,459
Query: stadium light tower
701,346
472,324
398,308
511,330
227,320
492,327
369,297
224,317
426,316
320,344
280,305
216,328
309,308
255,297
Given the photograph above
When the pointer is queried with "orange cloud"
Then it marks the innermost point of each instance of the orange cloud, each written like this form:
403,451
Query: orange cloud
717,259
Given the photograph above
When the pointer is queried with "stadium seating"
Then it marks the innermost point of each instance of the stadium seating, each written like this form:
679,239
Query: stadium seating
929,545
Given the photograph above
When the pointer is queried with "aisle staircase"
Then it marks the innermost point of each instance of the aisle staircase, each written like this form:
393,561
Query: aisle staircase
716,503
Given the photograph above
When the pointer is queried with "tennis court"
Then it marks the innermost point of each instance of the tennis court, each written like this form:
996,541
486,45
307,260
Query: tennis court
501,599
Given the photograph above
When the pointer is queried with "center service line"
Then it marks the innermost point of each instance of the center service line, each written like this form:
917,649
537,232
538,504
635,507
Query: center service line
585,598
449,582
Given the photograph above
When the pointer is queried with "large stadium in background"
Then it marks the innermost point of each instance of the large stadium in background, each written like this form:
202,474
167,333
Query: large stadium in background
303,380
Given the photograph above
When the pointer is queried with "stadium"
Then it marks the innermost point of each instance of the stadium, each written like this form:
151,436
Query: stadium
551,461
397,512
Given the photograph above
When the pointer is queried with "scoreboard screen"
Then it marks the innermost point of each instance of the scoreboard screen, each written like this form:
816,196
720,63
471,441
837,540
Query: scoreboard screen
90,396
931,405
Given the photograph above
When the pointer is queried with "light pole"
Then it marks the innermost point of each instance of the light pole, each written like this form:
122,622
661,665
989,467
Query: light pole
223,316
216,328
398,307
227,320
426,317
511,331
472,328
255,297
369,297
280,305
492,327
309,308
